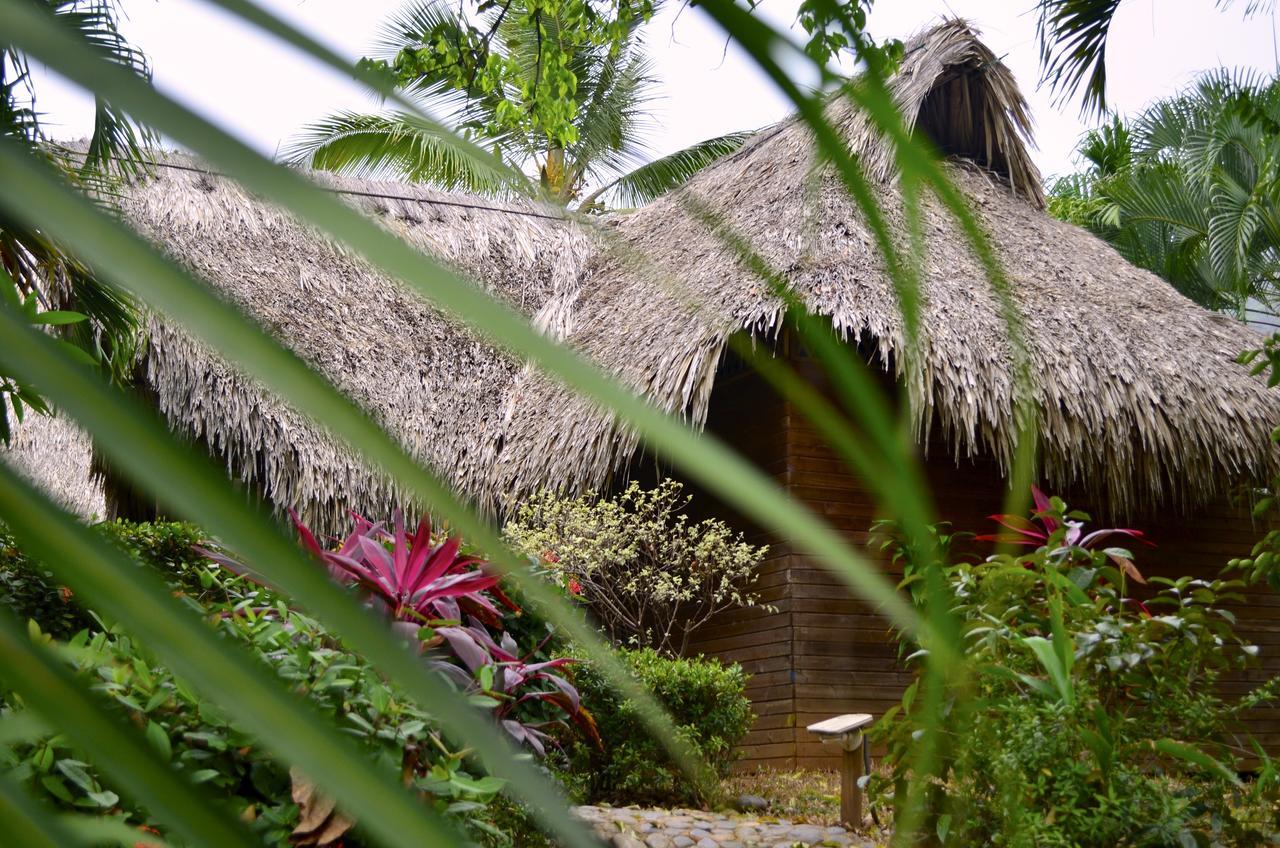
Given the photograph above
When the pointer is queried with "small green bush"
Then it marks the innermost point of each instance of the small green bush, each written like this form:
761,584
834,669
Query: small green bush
706,702
648,575
29,591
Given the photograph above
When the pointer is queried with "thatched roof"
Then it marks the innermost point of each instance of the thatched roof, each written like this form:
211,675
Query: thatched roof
1138,395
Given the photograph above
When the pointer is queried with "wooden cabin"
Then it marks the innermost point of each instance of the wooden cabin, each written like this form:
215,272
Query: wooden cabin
824,652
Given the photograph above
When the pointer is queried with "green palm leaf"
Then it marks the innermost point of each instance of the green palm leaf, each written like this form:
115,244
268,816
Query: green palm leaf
651,181
399,146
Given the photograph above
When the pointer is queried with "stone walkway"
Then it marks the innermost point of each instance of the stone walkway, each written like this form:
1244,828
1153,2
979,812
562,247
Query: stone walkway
634,827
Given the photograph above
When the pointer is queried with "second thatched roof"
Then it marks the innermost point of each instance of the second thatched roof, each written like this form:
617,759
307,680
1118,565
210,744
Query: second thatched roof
1137,393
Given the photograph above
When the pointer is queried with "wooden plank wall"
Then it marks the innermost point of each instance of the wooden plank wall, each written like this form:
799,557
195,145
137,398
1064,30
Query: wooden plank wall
825,653
761,641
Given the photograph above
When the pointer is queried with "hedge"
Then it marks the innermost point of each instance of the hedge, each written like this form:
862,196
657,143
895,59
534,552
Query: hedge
706,702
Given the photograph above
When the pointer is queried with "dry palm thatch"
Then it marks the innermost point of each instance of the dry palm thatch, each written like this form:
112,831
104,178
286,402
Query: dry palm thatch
430,381
54,455
1138,396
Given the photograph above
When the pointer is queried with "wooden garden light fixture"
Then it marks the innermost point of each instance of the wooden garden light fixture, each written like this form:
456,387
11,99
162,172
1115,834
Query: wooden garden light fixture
847,730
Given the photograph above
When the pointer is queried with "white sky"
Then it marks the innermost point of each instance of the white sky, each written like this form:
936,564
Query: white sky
265,92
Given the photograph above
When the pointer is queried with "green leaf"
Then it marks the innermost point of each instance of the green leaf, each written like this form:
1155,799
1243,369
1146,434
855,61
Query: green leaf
57,788
944,827
159,739
59,317
481,786
650,181
1196,757
1059,672
76,352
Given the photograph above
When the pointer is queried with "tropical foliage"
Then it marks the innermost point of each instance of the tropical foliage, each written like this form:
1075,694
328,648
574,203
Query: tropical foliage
54,289
203,744
525,694
1190,190
1094,718
649,575
447,603
577,112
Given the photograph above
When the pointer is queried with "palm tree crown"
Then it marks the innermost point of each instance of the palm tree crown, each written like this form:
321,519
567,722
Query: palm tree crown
1191,190
607,160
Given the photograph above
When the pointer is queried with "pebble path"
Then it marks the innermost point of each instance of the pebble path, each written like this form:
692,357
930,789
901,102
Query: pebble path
634,827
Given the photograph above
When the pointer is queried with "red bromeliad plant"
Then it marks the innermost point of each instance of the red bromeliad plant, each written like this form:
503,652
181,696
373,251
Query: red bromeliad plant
1050,525
431,590
506,676
418,580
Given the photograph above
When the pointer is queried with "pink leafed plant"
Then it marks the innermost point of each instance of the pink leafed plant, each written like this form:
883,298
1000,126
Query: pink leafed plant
417,582
1044,525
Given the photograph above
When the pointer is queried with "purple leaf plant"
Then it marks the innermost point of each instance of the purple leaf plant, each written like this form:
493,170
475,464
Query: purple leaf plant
418,582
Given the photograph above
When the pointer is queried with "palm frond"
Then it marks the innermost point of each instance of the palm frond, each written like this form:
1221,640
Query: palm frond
396,146
117,142
1073,48
660,176
614,122
414,24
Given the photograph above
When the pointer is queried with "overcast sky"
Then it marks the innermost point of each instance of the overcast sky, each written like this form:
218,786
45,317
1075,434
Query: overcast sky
265,92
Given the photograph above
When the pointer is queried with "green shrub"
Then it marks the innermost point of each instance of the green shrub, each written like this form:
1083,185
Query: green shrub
30,592
647,574
1090,714
201,742
706,702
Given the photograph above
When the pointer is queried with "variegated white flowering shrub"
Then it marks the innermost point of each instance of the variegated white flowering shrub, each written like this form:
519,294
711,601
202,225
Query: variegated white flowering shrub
648,573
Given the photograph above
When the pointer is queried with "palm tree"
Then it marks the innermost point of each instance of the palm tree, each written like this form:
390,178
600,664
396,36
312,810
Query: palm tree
55,289
1191,190
607,161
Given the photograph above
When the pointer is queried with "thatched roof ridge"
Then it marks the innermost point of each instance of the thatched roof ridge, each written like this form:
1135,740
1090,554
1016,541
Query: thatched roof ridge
951,88
1139,398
